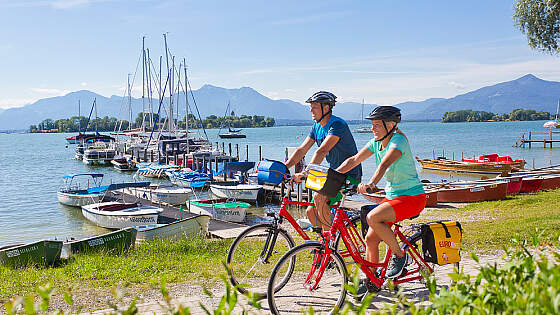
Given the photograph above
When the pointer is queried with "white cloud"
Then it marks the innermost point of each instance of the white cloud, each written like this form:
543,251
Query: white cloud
83,84
12,103
50,92
457,85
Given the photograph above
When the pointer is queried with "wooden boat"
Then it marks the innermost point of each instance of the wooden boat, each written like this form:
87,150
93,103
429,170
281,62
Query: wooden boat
431,197
550,181
118,215
182,229
466,192
513,183
117,241
43,253
71,194
238,192
222,209
531,184
444,164
161,193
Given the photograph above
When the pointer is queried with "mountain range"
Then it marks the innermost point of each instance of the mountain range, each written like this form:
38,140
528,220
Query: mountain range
527,92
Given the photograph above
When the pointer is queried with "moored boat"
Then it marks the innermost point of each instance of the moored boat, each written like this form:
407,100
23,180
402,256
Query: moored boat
466,192
71,194
531,184
222,209
118,215
41,253
123,163
116,241
431,197
238,192
188,228
161,194
550,181
472,166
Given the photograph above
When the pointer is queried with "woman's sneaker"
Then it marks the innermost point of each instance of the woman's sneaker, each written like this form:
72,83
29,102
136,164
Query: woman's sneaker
397,266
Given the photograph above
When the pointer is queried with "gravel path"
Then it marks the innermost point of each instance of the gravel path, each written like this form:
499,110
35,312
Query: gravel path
150,300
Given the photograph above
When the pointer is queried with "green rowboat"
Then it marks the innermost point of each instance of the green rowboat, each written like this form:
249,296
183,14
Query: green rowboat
117,241
42,253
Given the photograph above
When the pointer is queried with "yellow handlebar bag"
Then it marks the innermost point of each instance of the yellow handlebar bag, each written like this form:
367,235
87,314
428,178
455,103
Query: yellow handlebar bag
324,180
441,242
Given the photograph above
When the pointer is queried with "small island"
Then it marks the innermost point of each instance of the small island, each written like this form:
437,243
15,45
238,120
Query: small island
77,123
468,115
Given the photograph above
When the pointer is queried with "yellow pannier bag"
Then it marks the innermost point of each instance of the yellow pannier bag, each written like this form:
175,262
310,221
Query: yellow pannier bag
324,180
441,242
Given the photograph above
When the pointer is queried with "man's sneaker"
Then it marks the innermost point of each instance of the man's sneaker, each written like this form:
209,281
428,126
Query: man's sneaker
397,266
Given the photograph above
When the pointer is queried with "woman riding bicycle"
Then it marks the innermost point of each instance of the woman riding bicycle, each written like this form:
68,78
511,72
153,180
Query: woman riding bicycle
405,197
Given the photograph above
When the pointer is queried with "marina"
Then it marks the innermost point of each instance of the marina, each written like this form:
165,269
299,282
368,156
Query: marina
50,221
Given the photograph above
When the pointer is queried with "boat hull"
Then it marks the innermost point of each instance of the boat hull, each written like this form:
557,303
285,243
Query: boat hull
129,217
78,200
41,253
472,193
238,192
551,181
168,195
531,184
464,167
182,229
117,241
232,136
431,198
220,209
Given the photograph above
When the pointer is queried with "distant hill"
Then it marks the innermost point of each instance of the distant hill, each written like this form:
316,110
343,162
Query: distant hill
527,92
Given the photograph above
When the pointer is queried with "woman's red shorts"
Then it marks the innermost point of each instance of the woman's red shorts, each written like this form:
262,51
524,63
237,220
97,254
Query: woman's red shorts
407,206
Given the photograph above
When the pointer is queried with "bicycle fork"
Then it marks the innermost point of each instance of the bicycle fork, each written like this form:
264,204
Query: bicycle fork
269,244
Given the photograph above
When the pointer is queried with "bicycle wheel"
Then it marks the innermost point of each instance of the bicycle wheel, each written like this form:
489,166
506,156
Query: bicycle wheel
438,271
295,295
251,259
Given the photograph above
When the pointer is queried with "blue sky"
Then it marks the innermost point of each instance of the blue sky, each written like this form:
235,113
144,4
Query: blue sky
385,52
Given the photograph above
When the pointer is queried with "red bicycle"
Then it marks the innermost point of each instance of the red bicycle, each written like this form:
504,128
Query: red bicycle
314,274
254,253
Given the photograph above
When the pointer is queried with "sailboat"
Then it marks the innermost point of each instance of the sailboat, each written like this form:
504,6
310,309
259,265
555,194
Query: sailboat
363,129
554,123
232,133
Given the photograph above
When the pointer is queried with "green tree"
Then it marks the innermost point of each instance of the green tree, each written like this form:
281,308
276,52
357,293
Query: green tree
539,20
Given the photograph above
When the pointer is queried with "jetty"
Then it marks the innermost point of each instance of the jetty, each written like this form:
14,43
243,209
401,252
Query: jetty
538,137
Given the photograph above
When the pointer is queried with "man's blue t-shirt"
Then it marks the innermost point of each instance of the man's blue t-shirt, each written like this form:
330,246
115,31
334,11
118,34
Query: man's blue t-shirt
343,149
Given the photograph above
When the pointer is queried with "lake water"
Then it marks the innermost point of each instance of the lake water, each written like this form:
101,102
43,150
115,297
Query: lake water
33,166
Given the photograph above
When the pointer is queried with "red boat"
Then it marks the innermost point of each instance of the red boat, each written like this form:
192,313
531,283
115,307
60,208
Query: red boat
531,184
466,192
495,158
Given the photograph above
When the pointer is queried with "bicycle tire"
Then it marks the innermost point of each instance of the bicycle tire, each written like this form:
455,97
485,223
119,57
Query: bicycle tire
247,271
330,294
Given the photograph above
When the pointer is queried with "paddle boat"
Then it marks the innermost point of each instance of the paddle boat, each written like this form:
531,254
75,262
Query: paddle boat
188,228
43,253
76,195
221,209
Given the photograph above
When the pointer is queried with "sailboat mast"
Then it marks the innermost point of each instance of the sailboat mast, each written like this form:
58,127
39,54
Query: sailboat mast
150,96
169,115
143,83
129,102
79,119
96,122
186,106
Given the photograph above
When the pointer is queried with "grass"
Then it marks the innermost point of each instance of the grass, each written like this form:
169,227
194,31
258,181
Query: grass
148,264
487,227
490,226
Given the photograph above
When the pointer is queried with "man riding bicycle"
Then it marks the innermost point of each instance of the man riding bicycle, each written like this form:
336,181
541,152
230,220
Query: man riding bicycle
336,144
405,197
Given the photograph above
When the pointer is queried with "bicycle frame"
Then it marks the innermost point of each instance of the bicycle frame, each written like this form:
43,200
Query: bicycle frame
353,242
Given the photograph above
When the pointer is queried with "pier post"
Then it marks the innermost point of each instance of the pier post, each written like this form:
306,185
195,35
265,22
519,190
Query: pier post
151,155
176,159
216,162
223,148
237,150
229,145
260,153
247,157
529,139
204,169
185,162
433,154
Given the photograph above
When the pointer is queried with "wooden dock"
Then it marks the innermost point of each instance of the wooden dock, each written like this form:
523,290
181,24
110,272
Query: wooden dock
536,137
